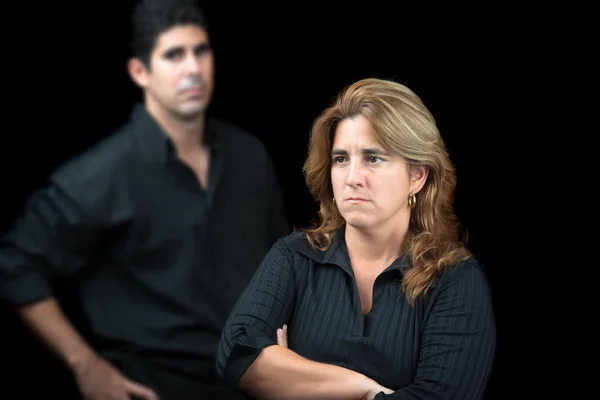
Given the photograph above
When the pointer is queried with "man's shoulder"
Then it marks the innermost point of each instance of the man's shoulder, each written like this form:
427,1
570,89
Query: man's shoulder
236,137
105,157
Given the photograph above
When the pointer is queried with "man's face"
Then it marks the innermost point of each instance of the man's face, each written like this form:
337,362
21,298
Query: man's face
179,80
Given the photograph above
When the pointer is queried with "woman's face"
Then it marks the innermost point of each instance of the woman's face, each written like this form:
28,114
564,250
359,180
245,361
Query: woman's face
370,185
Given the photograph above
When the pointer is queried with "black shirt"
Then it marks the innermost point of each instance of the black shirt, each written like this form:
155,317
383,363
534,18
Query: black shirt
443,348
155,261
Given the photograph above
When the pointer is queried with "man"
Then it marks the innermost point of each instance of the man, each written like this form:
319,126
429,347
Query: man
158,228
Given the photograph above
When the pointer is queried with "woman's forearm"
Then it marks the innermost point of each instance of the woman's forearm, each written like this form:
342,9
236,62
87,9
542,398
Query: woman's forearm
278,373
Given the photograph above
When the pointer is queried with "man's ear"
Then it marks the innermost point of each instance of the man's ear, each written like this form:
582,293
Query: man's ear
138,72
418,176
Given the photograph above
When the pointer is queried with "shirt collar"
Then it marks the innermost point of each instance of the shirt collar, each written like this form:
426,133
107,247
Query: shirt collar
337,254
154,141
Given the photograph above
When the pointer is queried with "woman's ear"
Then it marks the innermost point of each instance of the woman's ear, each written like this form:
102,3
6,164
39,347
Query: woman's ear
418,176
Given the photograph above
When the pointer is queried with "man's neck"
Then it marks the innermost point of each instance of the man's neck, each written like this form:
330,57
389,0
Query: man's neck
187,135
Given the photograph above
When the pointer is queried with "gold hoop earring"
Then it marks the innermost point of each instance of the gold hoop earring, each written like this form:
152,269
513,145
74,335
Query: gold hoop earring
412,200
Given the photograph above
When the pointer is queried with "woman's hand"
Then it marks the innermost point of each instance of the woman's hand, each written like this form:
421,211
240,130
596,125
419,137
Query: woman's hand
372,388
282,336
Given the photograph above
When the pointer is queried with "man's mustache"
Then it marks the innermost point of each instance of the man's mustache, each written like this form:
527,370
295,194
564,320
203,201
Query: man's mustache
190,83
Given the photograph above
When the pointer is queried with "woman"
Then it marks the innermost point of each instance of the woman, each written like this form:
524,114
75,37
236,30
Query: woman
381,297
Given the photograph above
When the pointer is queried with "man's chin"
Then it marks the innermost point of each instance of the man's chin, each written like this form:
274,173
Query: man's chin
192,111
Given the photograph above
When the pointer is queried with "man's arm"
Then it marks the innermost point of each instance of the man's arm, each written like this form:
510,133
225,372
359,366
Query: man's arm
54,236
51,237
93,374
49,323
250,358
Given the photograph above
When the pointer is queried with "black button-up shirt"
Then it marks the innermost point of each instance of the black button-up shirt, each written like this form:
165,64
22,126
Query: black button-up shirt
155,261
442,348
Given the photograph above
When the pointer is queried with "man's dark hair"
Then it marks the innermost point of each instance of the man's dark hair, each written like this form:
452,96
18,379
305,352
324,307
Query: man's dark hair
151,18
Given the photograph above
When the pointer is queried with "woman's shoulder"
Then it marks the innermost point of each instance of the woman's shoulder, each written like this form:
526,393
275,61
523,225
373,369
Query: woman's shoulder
296,242
470,272
298,246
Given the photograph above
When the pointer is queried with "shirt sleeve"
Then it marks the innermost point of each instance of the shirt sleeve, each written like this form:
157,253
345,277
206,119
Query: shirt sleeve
263,307
52,236
458,342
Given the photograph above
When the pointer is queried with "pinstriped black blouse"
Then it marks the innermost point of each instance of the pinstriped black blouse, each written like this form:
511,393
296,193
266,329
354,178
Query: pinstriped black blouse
443,348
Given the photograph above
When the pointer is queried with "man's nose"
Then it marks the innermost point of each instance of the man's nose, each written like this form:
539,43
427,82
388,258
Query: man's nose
192,64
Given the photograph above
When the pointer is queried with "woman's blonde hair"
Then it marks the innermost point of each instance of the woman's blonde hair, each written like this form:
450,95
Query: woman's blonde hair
404,126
